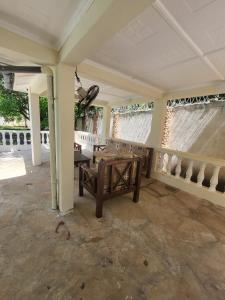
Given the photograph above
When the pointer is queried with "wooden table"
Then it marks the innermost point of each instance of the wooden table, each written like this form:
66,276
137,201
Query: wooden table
81,159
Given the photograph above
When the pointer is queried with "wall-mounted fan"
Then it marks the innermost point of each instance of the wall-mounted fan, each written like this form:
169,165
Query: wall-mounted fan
85,97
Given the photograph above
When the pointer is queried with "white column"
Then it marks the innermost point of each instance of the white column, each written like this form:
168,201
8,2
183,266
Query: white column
35,128
64,105
158,121
106,122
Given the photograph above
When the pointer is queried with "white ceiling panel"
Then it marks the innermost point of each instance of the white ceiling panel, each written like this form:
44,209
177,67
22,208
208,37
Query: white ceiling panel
188,74
45,21
203,20
144,46
218,59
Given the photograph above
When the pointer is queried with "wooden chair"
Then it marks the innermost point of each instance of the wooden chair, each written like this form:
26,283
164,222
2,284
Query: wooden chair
77,147
146,154
111,178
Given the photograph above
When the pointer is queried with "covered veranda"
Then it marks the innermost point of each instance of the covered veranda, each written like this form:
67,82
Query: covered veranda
170,244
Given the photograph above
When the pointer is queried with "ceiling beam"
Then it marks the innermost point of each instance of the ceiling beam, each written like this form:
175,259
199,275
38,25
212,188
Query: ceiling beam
18,48
215,88
110,77
129,102
172,22
99,23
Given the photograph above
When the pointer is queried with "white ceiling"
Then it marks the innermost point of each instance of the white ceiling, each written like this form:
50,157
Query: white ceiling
173,45
46,21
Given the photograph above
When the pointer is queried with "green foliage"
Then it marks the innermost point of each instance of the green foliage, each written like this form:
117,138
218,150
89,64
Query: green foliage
13,104
3,127
80,113
44,113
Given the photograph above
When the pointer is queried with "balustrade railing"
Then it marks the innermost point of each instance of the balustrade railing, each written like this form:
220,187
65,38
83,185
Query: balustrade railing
87,139
200,175
19,139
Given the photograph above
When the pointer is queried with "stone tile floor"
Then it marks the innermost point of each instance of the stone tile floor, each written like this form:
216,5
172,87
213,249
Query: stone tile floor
170,245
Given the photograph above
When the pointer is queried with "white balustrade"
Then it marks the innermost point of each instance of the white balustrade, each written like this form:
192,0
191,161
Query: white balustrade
196,180
87,139
14,140
178,167
21,141
189,171
214,178
169,164
201,174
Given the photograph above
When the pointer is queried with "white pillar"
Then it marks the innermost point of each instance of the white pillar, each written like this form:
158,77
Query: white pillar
35,128
106,122
64,87
158,121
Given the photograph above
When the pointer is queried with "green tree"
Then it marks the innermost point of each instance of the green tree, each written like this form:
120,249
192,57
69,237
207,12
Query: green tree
80,113
13,105
44,112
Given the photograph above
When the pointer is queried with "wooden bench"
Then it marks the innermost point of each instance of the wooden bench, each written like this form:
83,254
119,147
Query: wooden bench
111,178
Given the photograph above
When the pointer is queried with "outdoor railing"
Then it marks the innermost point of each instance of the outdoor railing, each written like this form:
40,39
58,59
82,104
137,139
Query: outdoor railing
19,139
200,175
45,137
15,139
87,139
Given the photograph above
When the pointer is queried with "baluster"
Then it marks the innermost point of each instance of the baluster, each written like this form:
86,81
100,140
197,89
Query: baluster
47,137
169,164
41,137
189,171
201,174
25,138
178,167
17,138
10,139
160,161
214,179
3,138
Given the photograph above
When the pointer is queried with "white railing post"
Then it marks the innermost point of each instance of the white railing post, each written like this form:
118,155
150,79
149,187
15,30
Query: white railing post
201,174
161,161
25,138
3,139
214,179
47,137
178,167
189,171
17,139
169,164
10,139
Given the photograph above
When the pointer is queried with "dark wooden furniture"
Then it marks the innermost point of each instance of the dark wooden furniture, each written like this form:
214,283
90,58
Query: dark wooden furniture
111,178
77,147
146,153
97,148
80,159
